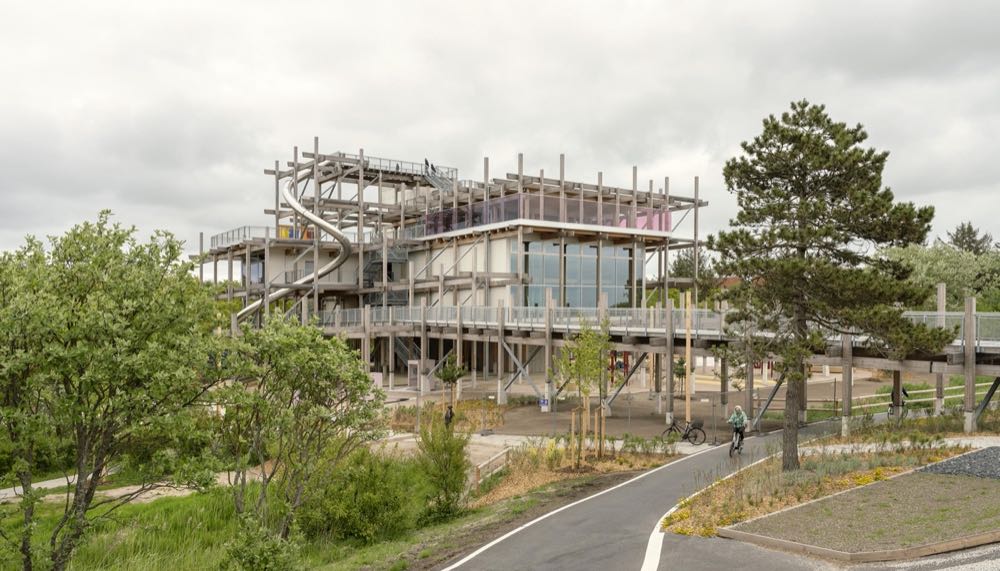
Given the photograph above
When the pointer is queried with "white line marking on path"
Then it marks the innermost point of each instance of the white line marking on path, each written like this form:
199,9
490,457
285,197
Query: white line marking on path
475,553
655,544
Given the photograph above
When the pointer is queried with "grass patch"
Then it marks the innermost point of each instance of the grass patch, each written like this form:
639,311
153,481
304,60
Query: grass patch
912,510
764,488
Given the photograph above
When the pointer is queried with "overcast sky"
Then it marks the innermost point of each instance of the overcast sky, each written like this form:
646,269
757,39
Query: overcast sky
167,112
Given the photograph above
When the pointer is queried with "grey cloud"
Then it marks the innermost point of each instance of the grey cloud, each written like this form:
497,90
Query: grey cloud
168,112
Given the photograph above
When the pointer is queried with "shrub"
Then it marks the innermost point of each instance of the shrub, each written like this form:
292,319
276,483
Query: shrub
255,548
443,461
370,498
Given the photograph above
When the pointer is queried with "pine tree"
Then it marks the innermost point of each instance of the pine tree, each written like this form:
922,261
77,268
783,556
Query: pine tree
966,237
812,216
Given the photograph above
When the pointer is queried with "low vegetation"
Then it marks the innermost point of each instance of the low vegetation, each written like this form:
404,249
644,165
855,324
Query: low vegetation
764,488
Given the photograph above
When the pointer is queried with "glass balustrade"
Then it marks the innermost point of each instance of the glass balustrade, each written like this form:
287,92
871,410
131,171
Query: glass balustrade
546,208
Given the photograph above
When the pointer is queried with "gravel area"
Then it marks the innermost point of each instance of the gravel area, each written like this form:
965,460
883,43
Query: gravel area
983,463
907,511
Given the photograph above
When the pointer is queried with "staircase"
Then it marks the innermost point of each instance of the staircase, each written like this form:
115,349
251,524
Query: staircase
406,349
372,273
440,182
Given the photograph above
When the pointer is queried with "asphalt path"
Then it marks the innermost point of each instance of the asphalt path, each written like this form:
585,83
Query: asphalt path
612,529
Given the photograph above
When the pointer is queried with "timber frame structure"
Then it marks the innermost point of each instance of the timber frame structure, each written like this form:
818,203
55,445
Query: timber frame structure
425,243
411,264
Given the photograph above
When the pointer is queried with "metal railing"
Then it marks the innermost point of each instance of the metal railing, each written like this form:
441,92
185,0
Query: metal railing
705,324
238,235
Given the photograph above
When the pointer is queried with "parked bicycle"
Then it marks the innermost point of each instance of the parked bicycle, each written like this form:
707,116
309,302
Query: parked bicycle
690,431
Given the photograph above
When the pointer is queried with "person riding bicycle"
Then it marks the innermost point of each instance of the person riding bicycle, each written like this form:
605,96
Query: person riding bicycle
739,421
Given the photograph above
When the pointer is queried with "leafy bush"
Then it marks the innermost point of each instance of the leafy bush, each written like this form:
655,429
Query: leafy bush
442,459
256,548
370,498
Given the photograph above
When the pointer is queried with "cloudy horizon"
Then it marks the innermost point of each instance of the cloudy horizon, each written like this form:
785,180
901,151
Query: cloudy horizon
167,114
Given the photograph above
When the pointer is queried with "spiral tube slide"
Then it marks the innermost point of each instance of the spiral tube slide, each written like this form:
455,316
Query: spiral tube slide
345,249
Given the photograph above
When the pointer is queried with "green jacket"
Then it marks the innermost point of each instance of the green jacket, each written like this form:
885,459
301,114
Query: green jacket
738,419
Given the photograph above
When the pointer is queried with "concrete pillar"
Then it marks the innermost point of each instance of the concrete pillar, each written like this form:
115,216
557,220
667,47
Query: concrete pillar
969,366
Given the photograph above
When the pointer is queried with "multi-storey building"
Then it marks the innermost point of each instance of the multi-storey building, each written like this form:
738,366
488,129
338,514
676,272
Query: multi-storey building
397,254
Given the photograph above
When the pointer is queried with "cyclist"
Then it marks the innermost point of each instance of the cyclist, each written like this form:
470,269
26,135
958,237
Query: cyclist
739,421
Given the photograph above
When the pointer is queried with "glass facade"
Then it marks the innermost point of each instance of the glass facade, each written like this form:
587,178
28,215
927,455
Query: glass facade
534,207
585,277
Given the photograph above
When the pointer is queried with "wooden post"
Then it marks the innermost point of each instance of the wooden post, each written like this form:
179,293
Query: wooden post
897,394
939,384
748,402
847,366
669,362
688,377
267,272
501,389
969,365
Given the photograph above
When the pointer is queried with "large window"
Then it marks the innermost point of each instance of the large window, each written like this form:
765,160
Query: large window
585,279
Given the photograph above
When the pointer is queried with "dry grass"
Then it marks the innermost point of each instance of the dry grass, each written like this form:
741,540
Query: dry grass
764,488
470,415
543,461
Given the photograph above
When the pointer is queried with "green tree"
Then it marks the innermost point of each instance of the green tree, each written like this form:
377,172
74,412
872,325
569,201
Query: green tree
583,363
708,279
963,272
103,339
449,373
295,398
446,465
812,214
966,237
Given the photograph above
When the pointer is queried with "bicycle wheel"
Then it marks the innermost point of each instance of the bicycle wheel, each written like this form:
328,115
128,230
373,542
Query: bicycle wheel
732,447
696,436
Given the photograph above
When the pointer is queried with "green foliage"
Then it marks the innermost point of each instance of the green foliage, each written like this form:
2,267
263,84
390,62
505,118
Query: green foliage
255,548
450,372
966,237
812,212
295,398
963,272
103,340
444,462
583,360
371,497
708,278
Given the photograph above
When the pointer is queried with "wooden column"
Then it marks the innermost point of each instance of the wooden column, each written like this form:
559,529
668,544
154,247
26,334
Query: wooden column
501,390
669,361
423,345
548,348
939,380
847,366
267,272
748,401
969,364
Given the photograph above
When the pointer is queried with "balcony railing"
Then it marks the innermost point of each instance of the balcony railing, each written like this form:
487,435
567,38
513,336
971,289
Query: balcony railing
546,208
705,324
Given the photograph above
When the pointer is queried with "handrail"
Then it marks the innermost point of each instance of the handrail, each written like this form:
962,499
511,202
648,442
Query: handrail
707,324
